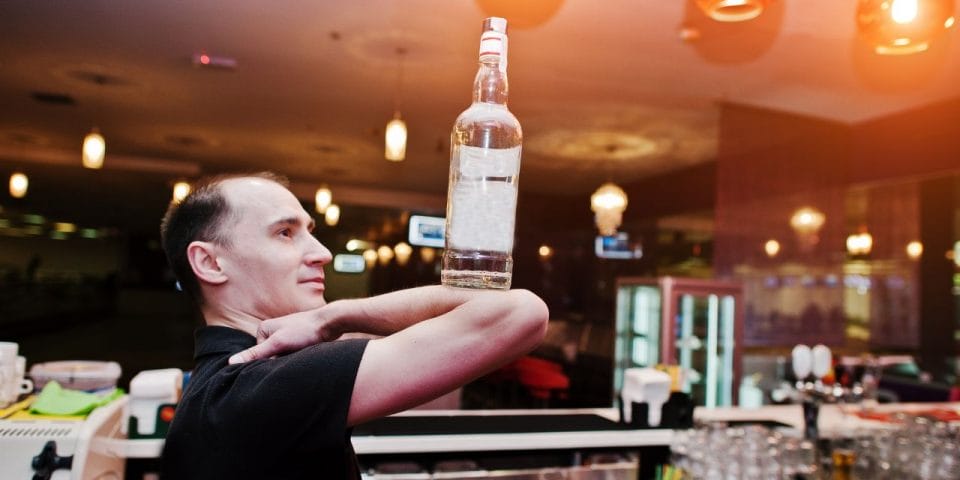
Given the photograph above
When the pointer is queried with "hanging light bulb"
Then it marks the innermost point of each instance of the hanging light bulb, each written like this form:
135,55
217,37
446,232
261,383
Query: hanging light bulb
914,249
18,185
396,139
384,254
323,199
901,27
332,215
608,202
545,252
370,256
732,10
180,191
403,251
772,248
94,149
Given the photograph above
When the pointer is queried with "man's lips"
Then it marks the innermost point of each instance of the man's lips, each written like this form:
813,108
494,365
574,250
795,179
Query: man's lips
316,281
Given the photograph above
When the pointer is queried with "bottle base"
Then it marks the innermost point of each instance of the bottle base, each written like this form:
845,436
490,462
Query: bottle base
476,279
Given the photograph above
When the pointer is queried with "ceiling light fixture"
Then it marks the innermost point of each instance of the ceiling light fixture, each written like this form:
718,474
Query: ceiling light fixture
860,243
608,203
772,248
732,10
332,215
370,256
403,251
323,199
94,149
180,191
395,148
902,27
384,254
914,249
427,254
18,185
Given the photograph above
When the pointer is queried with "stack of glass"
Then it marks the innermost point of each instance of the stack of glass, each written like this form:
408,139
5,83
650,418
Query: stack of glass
912,447
916,448
719,452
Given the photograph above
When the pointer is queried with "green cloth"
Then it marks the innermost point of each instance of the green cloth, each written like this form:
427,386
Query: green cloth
56,400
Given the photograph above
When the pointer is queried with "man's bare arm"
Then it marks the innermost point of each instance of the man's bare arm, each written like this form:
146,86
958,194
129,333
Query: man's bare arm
434,356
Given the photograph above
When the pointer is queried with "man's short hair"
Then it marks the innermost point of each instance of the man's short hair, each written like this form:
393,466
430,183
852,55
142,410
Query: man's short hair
200,216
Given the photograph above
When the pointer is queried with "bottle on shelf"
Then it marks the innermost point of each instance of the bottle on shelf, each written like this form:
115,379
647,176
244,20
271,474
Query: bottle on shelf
484,170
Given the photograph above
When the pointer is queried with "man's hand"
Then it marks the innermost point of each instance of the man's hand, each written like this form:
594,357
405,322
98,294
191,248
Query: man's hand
290,333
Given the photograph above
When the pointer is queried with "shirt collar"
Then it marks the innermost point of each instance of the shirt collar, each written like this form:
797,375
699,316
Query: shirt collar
215,339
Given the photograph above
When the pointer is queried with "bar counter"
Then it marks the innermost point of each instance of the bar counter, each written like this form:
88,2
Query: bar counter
435,428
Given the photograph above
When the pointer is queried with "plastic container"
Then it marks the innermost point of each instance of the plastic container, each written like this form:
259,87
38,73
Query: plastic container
77,374
149,390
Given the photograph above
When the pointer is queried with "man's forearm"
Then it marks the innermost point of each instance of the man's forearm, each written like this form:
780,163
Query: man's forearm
391,312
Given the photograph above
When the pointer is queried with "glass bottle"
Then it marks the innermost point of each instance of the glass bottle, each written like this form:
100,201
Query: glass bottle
484,169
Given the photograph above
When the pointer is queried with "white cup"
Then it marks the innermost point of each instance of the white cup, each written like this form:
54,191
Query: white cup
8,352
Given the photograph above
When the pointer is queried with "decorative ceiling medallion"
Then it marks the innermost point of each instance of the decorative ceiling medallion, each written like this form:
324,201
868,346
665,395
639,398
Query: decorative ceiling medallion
594,145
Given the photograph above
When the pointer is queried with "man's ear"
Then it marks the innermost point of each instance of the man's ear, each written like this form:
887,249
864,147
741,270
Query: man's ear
203,260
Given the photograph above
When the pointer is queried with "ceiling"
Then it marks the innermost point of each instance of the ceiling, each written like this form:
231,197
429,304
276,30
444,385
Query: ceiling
623,89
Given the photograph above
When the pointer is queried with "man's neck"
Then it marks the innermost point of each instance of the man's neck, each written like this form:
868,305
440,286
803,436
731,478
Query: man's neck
232,319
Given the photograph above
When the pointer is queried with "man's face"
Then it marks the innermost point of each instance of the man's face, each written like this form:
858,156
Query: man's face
273,263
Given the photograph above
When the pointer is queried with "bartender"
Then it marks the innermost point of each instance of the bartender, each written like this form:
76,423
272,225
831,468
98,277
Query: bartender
276,390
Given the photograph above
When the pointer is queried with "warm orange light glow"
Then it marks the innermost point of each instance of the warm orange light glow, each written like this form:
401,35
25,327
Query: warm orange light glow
772,248
807,220
205,59
732,10
903,27
180,191
608,202
94,149
18,185
903,11
545,252
427,254
332,216
370,256
914,249
402,251
323,199
395,148
860,243
385,254
949,22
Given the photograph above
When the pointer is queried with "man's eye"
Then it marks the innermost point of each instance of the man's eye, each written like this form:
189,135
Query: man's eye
286,232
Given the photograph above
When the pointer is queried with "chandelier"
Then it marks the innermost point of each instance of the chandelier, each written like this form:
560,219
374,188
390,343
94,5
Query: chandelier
608,203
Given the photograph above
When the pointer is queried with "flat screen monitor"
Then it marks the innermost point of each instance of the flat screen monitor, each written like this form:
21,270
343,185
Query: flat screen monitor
348,263
426,231
617,246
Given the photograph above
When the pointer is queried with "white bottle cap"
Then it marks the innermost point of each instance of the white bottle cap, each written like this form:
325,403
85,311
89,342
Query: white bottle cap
497,24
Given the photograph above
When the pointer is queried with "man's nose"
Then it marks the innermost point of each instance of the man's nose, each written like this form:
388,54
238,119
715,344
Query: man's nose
318,253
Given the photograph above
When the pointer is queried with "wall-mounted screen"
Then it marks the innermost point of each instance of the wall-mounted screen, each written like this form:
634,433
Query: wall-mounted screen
348,263
426,231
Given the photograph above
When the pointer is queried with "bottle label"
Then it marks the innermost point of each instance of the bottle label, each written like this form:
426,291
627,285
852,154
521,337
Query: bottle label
494,44
484,199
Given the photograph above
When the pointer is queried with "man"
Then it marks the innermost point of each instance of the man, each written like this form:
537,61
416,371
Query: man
283,408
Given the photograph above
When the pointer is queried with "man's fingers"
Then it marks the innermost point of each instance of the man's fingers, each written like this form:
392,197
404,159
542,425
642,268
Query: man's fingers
263,350
266,328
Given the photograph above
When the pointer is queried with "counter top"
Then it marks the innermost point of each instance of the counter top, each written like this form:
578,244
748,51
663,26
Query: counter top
834,420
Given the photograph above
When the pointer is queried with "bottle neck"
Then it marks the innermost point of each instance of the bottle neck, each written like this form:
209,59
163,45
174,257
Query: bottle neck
490,85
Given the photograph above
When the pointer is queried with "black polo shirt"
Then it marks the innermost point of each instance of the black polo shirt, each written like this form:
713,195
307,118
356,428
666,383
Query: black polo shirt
281,418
